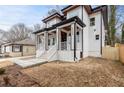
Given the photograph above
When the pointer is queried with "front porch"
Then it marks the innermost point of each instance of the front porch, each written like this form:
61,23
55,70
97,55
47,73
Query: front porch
65,39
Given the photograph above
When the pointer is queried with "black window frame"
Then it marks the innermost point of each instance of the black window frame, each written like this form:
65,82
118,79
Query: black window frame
92,21
97,37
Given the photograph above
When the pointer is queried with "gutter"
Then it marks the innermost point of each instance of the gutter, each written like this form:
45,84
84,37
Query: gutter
74,40
82,34
101,33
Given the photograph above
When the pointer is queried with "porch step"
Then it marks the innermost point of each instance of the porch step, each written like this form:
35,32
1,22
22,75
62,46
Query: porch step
28,63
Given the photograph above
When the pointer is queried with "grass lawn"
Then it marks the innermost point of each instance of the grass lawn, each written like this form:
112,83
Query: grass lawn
88,72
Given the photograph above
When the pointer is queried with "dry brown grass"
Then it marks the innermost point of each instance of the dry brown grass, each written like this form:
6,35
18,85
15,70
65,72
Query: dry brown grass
5,63
15,78
88,72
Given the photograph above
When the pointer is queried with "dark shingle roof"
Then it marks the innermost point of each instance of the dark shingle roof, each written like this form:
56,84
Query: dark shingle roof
75,18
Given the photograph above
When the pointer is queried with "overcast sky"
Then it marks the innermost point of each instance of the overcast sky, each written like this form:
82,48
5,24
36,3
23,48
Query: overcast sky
29,15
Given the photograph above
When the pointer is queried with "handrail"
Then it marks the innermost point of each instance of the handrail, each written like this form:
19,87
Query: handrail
51,51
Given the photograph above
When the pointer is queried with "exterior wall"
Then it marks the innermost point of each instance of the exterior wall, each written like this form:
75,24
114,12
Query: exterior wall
66,55
86,32
8,49
52,21
2,48
29,50
15,54
75,12
95,45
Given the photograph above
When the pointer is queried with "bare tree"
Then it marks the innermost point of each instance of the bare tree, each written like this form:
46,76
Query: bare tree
122,36
55,10
115,23
37,27
18,32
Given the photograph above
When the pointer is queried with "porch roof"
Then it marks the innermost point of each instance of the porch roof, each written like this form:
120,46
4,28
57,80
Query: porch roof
73,19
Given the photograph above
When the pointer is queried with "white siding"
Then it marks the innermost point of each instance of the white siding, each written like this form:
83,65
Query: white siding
95,45
52,22
75,12
85,33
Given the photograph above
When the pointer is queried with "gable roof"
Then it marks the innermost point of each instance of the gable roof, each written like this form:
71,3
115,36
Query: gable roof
90,10
27,41
52,16
71,7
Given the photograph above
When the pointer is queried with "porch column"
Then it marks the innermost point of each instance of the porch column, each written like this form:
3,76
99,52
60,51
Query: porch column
73,38
36,38
57,37
45,40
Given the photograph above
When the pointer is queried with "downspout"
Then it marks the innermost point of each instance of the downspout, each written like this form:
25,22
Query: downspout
74,40
82,33
101,33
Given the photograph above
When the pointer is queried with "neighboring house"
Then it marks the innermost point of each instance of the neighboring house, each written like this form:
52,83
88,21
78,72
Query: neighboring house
25,47
78,33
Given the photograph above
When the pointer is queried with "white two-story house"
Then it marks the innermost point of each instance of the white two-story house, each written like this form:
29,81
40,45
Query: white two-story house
78,33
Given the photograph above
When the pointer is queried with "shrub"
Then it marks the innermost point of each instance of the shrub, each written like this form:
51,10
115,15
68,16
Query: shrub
2,71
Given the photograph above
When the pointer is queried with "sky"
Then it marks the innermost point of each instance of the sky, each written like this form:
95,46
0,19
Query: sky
29,15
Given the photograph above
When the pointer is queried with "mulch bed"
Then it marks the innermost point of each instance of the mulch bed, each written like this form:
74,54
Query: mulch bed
14,78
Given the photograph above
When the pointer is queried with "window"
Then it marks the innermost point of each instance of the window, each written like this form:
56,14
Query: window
53,43
92,21
16,48
48,42
97,37
77,36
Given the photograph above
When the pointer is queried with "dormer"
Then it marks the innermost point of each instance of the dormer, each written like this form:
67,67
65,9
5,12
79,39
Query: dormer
52,19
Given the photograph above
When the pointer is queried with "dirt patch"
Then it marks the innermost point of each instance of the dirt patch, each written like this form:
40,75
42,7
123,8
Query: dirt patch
88,72
5,64
14,78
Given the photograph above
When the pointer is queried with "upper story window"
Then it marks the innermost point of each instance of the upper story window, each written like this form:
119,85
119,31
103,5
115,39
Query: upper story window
92,21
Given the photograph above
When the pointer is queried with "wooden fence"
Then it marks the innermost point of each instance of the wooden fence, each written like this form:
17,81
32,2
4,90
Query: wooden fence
114,53
121,53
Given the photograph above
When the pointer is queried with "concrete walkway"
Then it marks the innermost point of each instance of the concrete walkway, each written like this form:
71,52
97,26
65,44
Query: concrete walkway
11,58
24,63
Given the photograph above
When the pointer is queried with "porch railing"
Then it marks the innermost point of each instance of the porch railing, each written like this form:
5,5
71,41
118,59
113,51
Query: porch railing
63,45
